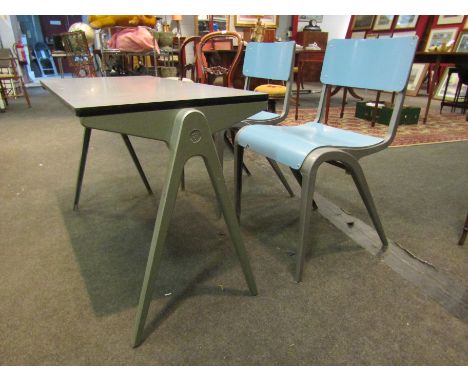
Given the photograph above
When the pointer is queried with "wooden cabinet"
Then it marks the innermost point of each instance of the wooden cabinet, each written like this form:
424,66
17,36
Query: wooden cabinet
312,70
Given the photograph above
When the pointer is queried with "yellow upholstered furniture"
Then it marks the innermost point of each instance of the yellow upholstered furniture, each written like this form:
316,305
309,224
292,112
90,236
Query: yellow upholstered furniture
274,92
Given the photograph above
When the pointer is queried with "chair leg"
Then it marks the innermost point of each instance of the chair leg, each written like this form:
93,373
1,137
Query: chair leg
307,196
363,188
238,159
231,147
465,231
281,177
297,174
343,101
25,92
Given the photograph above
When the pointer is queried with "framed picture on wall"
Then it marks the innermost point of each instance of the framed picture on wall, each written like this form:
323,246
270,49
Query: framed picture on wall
442,20
439,37
404,34
466,24
406,22
358,34
362,22
462,43
251,20
383,23
416,78
372,35
451,89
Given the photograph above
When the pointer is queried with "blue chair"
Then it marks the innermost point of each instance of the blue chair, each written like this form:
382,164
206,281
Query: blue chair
370,64
269,61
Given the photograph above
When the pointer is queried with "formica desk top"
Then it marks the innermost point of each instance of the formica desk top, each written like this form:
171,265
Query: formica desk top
114,95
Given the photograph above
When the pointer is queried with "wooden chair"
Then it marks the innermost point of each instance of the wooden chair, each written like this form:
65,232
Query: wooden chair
8,74
213,65
79,56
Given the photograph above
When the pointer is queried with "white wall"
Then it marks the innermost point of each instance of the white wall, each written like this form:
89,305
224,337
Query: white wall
335,25
6,31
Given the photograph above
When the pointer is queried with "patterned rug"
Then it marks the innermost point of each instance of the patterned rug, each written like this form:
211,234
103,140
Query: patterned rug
446,127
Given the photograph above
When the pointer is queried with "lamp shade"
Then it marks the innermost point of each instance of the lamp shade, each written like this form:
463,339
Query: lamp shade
176,17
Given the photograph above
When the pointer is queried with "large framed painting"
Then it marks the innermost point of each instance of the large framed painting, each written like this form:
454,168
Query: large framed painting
462,44
363,22
440,37
383,23
416,78
250,21
443,20
406,22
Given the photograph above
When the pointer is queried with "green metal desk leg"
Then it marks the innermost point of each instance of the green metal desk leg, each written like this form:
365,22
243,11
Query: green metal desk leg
132,152
191,136
84,155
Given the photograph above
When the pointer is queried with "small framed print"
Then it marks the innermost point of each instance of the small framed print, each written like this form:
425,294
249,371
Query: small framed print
372,35
358,35
406,22
440,37
443,20
385,35
363,22
383,23
451,88
404,34
462,43
416,78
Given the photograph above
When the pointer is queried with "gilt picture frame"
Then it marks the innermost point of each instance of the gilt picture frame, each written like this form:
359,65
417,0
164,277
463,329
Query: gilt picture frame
363,22
383,23
417,75
438,37
406,21
461,45
444,20
251,20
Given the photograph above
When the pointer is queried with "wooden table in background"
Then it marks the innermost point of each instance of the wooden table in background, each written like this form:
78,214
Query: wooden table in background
437,58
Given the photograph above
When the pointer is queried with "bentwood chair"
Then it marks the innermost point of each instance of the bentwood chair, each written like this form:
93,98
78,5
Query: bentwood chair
187,60
269,61
214,54
8,75
370,64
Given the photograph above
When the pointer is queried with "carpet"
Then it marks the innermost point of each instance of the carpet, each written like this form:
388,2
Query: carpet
446,127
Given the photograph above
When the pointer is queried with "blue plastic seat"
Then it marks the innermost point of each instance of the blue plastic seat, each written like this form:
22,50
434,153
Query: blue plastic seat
275,62
381,64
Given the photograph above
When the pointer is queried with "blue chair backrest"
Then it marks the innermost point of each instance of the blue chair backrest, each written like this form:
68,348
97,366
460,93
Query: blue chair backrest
269,60
378,64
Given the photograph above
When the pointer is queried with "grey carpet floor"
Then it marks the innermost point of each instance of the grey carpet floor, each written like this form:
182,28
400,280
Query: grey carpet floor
69,281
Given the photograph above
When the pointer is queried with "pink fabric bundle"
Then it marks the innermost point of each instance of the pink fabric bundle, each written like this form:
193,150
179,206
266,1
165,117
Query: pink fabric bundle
136,39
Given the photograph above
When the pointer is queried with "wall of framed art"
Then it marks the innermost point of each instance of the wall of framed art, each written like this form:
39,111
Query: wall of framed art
439,32
386,26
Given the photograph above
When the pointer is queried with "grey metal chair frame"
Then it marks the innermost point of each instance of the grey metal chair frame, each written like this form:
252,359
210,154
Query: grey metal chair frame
343,157
272,121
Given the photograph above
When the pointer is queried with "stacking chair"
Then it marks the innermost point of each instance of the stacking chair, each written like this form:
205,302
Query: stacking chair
269,61
370,64
8,74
